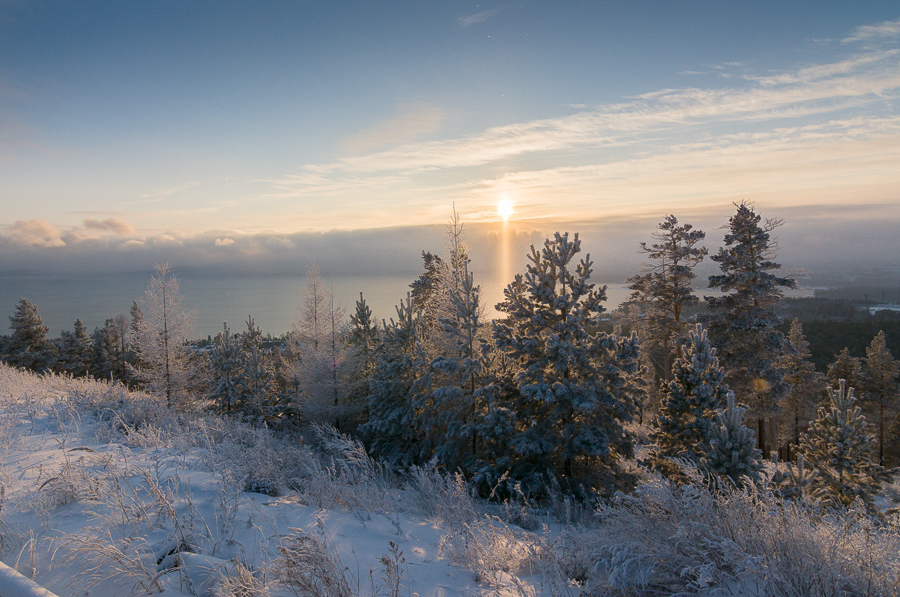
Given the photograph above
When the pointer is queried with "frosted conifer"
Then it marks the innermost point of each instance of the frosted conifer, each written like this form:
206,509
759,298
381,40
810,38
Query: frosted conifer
880,386
260,388
459,401
28,346
839,447
74,351
226,372
569,386
665,286
807,385
686,420
400,395
846,367
742,322
732,451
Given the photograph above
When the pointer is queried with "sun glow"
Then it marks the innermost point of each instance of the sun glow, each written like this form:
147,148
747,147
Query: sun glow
505,208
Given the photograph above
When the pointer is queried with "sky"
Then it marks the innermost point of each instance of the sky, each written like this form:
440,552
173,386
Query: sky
248,137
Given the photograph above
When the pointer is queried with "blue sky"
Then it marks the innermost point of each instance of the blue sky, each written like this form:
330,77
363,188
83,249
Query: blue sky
225,133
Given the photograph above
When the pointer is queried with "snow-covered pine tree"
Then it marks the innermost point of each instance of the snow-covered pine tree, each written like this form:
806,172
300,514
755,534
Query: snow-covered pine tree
839,447
742,322
880,386
685,424
75,351
807,385
664,287
459,402
570,386
261,398
28,347
161,353
400,392
732,451
227,384
362,343
846,367
428,291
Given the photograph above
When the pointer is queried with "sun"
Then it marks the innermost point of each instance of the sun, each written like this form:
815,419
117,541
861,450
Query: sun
505,208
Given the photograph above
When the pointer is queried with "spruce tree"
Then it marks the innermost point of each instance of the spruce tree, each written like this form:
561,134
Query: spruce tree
742,322
732,451
569,386
664,287
28,347
686,420
807,385
880,386
839,447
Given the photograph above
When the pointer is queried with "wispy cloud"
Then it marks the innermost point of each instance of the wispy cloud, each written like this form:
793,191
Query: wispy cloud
411,122
873,32
478,17
833,123
116,225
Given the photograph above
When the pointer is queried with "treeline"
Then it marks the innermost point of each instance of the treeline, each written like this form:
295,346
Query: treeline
551,395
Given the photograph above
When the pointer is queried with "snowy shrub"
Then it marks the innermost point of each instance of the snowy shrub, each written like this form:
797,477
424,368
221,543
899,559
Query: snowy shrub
309,565
344,475
696,539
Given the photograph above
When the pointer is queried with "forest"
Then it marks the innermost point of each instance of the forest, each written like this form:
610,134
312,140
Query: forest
657,448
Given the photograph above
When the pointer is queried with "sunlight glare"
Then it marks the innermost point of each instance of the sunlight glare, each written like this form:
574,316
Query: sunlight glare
505,208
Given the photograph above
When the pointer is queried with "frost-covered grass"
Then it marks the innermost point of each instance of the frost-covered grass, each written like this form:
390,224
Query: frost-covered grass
105,492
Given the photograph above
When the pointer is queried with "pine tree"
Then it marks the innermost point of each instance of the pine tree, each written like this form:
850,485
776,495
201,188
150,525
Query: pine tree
161,354
363,342
742,322
260,399
570,387
807,384
28,347
839,447
459,400
400,392
665,286
686,420
846,367
428,291
75,351
732,451
880,386
227,383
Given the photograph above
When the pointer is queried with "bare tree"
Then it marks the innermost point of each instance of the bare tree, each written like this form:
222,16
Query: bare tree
161,350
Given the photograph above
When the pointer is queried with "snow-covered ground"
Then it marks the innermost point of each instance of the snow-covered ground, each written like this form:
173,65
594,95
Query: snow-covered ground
103,492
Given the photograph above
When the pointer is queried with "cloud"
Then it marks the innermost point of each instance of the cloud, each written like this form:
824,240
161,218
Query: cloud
116,225
224,242
165,240
132,245
35,233
873,32
478,17
411,122
645,132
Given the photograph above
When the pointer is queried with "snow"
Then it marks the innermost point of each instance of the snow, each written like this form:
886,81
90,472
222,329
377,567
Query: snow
94,507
